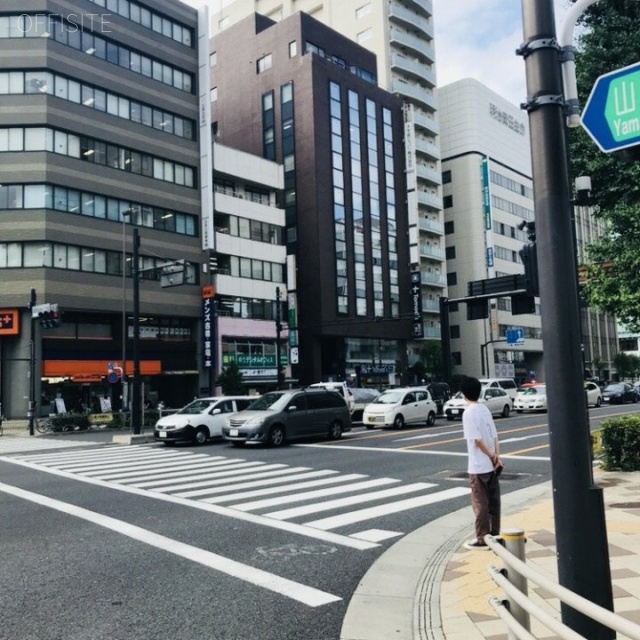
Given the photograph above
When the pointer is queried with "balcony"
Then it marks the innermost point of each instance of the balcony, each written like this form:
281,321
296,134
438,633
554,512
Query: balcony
427,148
414,92
425,7
426,224
432,332
428,124
430,306
417,70
428,251
433,279
431,200
410,19
419,46
427,173
234,204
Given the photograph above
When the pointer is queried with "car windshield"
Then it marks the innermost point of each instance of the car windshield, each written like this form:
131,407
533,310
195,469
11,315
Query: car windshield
197,406
614,387
270,402
389,397
458,396
365,394
532,391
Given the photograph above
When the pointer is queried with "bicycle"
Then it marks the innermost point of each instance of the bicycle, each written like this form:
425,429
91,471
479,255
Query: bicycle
43,425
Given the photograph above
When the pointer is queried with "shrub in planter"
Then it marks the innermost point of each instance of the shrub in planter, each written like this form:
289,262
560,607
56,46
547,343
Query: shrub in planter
621,444
65,422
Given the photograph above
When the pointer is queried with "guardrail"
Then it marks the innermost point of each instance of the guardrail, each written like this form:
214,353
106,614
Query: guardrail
516,611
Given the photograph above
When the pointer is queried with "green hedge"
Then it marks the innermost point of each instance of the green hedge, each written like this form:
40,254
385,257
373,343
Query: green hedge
66,422
621,444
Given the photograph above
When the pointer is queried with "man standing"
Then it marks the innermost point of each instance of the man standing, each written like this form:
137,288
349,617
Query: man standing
484,464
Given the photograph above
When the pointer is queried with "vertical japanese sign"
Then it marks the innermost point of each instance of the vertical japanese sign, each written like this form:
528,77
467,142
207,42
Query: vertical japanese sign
208,318
416,305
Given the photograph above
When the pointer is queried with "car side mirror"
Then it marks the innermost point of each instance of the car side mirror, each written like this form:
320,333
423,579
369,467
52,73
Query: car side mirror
292,408
215,411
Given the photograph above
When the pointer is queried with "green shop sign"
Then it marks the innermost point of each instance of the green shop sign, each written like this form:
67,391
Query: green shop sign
253,362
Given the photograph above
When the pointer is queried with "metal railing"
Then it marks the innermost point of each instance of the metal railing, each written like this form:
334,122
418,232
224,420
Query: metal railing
516,611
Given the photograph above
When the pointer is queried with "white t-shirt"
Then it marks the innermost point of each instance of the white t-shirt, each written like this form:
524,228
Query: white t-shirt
477,424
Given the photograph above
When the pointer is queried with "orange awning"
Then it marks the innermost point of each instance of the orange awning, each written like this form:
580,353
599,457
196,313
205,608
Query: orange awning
95,368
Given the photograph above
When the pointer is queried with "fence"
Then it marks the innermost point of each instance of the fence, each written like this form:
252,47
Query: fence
516,611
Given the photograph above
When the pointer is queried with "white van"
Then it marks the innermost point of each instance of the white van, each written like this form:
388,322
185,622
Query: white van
338,387
508,384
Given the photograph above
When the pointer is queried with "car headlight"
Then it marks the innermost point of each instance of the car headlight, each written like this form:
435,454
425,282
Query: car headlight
254,422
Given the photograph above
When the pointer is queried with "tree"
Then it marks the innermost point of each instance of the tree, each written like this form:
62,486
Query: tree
609,42
231,381
430,363
626,364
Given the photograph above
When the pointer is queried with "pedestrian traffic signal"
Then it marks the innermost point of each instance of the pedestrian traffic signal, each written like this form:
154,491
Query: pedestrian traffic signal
529,257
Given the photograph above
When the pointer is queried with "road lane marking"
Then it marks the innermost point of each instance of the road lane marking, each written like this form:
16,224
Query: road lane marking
517,453
114,461
535,435
185,469
295,512
289,527
334,522
296,591
426,436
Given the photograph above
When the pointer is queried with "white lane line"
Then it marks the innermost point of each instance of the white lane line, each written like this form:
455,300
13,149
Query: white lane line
352,517
289,527
286,514
185,469
226,481
113,457
431,452
261,466
294,590
272,483
536,435
140,463
309,495
426,436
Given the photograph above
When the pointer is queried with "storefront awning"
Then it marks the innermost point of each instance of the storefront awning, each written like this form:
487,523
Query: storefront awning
95,368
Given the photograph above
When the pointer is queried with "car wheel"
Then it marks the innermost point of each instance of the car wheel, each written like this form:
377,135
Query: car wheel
277,436
431,419
398,423
201,435
599,402
238,443
335,430
506,411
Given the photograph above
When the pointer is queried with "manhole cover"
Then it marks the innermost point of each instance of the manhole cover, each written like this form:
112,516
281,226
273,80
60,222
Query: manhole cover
626,505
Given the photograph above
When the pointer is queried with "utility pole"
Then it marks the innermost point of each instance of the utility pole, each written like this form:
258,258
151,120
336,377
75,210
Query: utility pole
581,536
32,364
136,401
279,376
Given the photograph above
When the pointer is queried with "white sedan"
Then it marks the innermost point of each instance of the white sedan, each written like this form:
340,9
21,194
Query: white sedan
594,394
533,398
495,398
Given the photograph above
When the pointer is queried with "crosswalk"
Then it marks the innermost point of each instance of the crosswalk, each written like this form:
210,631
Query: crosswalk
313,499
18,444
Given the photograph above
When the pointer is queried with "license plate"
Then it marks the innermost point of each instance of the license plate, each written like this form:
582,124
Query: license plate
233,432
455,412
162,434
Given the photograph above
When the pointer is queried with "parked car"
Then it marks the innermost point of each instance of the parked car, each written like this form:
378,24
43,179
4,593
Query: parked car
199,420
531,398
338,387
619,393
280,416
397,407
508,384
594,394
362,397
440,392
495,398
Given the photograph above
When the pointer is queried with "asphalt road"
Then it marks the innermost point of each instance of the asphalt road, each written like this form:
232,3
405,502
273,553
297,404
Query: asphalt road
151,542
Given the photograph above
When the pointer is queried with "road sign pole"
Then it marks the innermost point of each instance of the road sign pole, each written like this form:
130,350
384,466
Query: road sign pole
581,536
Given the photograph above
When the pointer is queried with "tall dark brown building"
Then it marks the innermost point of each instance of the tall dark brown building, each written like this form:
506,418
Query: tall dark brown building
298,92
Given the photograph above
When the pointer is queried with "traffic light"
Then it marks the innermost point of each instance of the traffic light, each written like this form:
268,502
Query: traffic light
50,319
529,257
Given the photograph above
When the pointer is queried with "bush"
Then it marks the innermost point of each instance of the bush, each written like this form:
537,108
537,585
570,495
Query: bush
65,422
621,444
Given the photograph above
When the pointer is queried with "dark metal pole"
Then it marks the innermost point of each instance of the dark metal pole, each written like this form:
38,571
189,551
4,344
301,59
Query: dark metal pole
136,401
445,338
581,536
32,365
278,330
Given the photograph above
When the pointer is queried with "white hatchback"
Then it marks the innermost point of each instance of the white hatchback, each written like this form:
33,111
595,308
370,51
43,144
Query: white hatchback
495,398
397,407
532,398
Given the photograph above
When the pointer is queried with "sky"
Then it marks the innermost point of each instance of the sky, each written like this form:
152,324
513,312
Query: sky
474,39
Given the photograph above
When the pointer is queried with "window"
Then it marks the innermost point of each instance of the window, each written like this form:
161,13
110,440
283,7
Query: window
264,63
452,279
365,35
213,59
454,331
214,94
362,11
450,253
446,177
447,202
293,49
448,228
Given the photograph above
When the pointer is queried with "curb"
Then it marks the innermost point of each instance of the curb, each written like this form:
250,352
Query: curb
399,596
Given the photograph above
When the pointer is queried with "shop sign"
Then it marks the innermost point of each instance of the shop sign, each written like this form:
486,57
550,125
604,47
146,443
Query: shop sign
9,322
207,332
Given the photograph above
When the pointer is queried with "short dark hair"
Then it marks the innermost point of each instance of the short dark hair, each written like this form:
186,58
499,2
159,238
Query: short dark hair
470,388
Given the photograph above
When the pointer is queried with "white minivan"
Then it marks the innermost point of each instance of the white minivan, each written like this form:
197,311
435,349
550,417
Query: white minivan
340,388
508,384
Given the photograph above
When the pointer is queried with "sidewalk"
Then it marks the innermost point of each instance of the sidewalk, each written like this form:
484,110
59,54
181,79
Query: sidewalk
428,587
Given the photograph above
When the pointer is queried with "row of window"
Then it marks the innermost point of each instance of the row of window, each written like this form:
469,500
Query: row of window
47,196
250,268
512,207
149,19
250,229
22,255
45,82
248,308
510,232
96,152
70,35
506,254
310,47
512,185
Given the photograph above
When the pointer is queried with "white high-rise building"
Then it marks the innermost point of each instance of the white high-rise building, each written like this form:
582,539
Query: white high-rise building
400,33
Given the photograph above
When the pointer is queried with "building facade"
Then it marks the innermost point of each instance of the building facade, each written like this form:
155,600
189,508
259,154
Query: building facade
98,134
401,34
487,193
299,93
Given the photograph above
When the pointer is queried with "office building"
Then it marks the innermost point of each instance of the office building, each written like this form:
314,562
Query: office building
298,93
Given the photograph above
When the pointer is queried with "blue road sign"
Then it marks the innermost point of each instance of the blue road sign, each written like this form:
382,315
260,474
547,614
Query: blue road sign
514,336
612,113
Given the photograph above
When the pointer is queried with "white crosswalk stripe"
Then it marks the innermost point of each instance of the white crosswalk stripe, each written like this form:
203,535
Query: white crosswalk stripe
20,444
249,486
